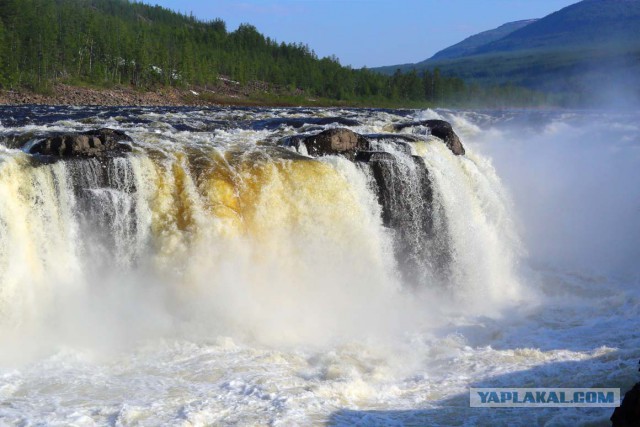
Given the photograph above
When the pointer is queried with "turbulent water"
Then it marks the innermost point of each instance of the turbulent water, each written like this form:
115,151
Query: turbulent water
211,276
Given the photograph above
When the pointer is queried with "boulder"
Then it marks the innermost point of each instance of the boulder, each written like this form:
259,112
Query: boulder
86,144
628,413
331,141
440,129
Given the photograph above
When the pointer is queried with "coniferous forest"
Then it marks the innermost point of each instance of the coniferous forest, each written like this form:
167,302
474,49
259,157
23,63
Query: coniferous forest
121,42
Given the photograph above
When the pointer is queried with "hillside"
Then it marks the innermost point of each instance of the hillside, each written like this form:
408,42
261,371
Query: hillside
119,42
589,23
125,48
466,47
121,51
469,45
576,53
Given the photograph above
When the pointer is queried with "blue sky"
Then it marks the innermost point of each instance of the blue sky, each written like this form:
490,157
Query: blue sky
369,32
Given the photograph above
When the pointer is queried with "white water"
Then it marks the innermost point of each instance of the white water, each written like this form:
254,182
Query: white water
267,292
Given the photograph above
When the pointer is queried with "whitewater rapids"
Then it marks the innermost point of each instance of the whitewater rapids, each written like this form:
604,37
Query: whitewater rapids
211,277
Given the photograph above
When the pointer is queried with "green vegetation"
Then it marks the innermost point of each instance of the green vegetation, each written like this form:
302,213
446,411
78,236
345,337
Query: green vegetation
104,43
587,54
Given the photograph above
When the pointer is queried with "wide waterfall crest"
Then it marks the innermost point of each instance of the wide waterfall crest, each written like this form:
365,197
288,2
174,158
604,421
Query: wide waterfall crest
223,228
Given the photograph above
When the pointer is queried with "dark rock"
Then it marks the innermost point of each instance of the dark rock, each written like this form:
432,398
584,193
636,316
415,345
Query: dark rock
444,131
331,141
17,140
628,414
335,141
374,156
440,129
404,189
104,214
88,144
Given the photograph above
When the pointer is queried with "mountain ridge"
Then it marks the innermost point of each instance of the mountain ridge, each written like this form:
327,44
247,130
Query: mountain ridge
574,51
574,26
471,43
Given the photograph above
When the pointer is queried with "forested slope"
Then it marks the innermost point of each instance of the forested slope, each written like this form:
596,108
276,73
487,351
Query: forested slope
586,54
118,42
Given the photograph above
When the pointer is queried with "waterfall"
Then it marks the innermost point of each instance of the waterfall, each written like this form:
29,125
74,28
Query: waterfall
253,237
405,193
212,265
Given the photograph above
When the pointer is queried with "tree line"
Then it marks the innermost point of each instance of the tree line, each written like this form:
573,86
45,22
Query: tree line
122,42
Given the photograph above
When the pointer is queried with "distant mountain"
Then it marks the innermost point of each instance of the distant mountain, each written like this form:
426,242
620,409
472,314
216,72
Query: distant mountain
577,50
589,23
466,47
469,45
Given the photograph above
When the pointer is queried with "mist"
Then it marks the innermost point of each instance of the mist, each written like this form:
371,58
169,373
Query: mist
167,287
610,86
574,181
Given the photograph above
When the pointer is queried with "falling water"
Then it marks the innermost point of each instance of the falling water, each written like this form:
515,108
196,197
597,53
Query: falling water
246,274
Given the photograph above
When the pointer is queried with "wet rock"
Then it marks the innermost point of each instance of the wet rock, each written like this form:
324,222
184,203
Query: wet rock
374,156
628,414
16,140
331,141
404,189
86,144
440,129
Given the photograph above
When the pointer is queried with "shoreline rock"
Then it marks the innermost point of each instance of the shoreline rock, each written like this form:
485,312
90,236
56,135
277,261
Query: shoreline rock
224,93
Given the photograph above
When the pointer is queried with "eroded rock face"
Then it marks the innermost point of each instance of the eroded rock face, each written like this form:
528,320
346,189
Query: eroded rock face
86,144
440,129
405,194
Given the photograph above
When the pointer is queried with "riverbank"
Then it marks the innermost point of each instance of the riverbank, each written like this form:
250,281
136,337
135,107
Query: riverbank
66,94
226,93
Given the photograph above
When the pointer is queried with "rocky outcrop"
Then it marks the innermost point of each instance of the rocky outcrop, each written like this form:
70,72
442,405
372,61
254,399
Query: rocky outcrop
86,144
404,190
405,194
440,129
330,142
628,413
374,156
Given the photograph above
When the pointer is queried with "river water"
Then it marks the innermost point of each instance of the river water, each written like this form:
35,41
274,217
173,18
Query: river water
211,276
